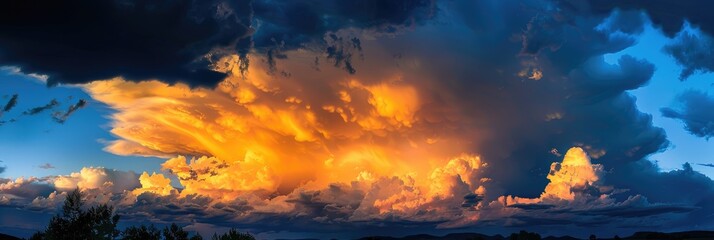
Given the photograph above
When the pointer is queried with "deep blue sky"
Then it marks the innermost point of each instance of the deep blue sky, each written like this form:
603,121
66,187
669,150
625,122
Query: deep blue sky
32,141
662,91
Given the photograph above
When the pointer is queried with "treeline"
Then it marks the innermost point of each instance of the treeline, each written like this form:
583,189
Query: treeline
100,223
524,235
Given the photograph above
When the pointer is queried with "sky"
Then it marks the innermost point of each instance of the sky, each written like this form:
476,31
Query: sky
322,119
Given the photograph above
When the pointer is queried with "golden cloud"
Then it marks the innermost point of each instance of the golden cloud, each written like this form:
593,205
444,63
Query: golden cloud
262,134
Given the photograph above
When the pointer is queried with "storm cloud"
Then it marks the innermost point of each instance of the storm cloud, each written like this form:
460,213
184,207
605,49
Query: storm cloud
463,102
695,112
691,49
510,97
175,41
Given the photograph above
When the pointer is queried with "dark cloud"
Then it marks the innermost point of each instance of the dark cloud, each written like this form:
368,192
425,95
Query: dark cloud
628,22
320,20
580,99
706,164
599,218
174,41
2,169
532,206
691,51
669,15
61,117
40,109
10,104
134,39
695,111
638,212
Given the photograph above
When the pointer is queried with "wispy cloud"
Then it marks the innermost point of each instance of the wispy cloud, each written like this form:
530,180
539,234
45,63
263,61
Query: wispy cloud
706,164
10,104
40,109
61,117
46,166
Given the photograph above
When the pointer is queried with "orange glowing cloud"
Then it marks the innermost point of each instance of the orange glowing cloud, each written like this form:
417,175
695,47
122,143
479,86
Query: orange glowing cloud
575,172
260,134
569,180
154,183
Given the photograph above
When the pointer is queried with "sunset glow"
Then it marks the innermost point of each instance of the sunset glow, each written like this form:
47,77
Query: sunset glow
324,119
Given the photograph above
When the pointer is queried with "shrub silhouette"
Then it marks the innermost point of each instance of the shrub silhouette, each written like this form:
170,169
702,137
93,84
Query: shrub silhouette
98,222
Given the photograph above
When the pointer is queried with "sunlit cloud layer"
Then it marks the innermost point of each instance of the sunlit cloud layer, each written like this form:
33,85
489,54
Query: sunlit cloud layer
263,133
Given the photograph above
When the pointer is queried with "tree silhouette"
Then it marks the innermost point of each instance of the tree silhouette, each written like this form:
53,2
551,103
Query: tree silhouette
233,235
141,233
98,222
174,232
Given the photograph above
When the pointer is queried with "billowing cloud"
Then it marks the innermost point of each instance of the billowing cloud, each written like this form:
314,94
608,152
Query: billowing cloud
271,122
577,195
575,182
108,180
23,188
101,185
154,183
695,112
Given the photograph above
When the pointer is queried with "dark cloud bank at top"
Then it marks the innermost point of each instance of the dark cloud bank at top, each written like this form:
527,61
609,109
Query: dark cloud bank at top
79,41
